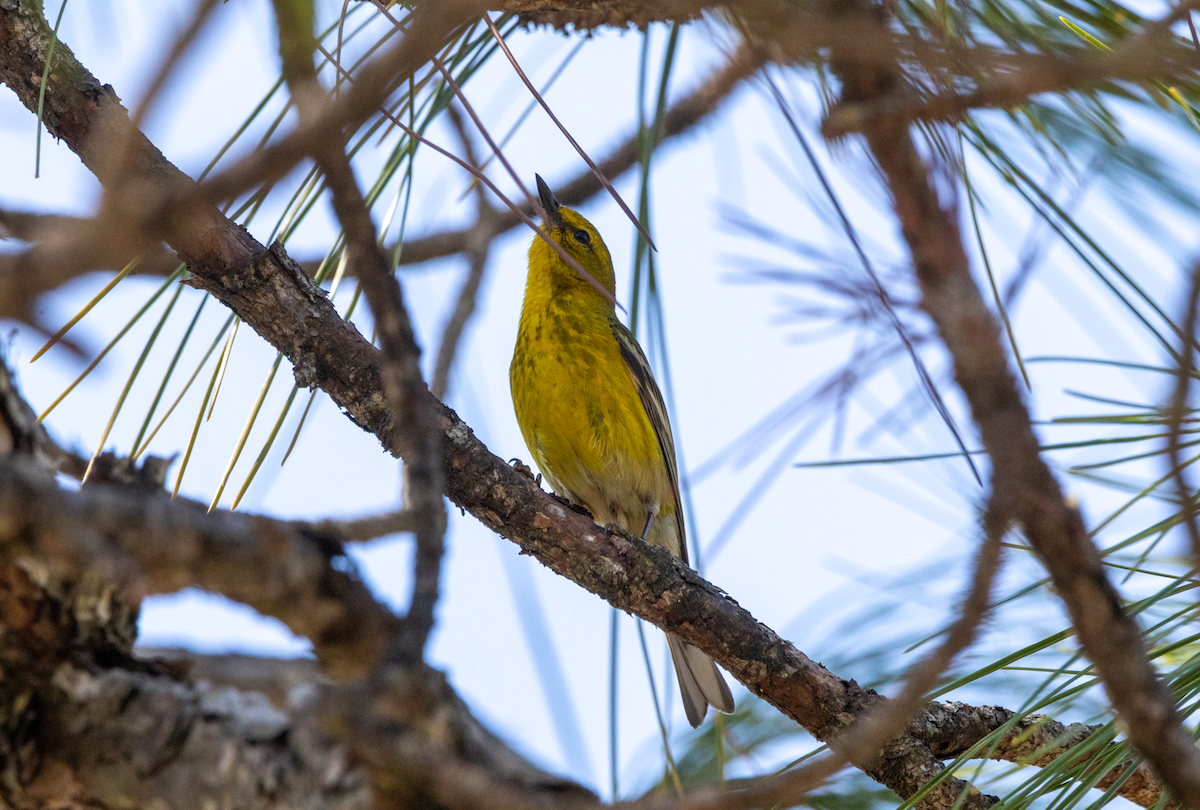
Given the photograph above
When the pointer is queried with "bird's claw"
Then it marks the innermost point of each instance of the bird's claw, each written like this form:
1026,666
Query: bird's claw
524,470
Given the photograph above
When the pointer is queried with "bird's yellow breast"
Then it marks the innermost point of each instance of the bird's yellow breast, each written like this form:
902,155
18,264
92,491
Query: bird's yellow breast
581,415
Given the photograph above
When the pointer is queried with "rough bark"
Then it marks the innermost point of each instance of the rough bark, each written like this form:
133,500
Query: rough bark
84,723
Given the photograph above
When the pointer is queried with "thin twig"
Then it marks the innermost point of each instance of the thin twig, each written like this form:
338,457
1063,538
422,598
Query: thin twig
462,98
375,81
367,528
119,195
530,107
179,48
477,253
464,307
680,118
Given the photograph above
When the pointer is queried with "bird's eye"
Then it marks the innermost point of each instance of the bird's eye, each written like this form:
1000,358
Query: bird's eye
582,236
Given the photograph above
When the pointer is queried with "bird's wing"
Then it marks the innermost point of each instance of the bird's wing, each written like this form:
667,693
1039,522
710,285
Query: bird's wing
656,411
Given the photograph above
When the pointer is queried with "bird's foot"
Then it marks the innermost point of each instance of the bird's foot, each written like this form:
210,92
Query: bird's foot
524,470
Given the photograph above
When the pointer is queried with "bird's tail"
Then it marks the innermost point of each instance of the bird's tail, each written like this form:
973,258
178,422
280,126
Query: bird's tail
699,681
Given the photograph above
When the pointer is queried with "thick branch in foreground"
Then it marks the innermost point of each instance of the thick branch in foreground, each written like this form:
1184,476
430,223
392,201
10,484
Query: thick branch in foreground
162,545
83,723
121,738
95,736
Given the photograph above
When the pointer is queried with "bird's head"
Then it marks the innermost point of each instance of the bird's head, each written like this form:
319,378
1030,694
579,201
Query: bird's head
578,237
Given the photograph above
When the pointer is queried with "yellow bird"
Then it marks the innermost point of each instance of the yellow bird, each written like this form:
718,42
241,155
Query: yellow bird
593,417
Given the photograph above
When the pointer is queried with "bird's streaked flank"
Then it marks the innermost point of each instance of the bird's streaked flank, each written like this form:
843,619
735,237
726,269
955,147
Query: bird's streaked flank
593,417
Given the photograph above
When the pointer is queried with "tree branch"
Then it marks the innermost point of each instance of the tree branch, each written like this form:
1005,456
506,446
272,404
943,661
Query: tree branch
478,246
953,729
161,545
1154,52
121,738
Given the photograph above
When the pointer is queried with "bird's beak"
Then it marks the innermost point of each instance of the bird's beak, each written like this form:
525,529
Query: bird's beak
549,203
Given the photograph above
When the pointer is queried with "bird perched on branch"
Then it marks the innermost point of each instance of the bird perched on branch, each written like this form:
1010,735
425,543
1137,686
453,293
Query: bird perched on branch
592,415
